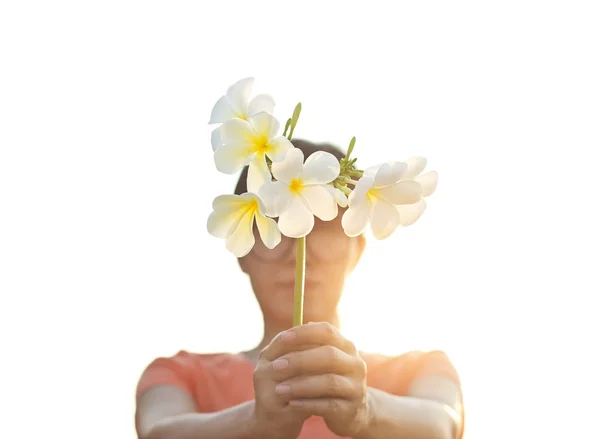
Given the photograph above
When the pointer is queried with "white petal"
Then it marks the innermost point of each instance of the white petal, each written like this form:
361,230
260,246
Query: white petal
340,198
383,175
371,171
260,103
389,173
215,138
428,182
276,197
229,159
242,240
359,193
289,166
237,132
409,213
320,168
269,233
355,219
297,221
221,112
258,173
415,166
397,168
220,225
261,205
277,147
248,197
229,202
384,220
321,201
264,125
228,210
238,96
404,192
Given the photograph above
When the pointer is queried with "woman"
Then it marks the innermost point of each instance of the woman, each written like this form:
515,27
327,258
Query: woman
302,382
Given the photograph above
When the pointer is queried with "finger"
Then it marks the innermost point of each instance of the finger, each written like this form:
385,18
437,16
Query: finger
322,406
321,333
280,346
296,338
319,386
316,361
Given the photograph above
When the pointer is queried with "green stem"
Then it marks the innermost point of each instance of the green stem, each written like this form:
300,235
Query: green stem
345,190
350,180
300,242
299,280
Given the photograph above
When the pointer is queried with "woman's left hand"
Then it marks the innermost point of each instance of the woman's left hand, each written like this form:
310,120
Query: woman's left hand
322,374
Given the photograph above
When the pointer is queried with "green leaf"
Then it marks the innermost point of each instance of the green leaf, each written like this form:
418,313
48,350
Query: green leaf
295,117
287,126
351,147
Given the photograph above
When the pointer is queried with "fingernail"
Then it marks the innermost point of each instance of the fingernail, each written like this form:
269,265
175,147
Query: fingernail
282,389
289,336
279,364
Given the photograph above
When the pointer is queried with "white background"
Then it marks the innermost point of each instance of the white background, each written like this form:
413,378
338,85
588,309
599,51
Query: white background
106,181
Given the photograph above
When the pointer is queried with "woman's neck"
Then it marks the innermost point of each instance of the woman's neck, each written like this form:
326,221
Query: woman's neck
272,328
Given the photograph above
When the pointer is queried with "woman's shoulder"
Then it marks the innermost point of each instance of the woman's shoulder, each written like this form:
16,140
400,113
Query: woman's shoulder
387,360
404,357
405,367
188,359
186,369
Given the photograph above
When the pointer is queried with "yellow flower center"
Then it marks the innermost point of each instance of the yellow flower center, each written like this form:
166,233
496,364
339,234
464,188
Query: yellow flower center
252,206
373,194
296,186
261,145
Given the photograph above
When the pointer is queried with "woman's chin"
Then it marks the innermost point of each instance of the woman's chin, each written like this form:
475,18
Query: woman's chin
317,312
319,304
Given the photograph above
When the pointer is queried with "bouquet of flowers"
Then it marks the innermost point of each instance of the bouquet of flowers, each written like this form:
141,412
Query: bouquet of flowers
282,184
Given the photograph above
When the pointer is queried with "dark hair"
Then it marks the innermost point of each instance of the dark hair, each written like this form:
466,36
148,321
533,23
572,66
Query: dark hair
306,147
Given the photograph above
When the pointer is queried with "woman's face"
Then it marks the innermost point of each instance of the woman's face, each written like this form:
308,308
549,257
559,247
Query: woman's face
330,256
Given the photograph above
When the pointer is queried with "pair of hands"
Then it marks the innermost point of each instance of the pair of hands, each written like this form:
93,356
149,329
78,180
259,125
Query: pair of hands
310,370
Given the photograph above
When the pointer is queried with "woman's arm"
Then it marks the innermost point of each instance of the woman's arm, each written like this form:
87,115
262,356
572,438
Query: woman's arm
425,416
432,408
168,412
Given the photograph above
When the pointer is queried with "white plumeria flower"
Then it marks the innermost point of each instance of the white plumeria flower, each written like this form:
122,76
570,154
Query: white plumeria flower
250,142
233,218
236,104
409,213
375,197
340,197
301,191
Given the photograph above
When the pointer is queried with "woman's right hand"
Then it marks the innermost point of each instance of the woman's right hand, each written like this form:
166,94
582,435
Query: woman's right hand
273,418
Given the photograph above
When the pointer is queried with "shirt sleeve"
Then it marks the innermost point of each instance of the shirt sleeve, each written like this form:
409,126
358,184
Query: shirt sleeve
435,363
175,371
